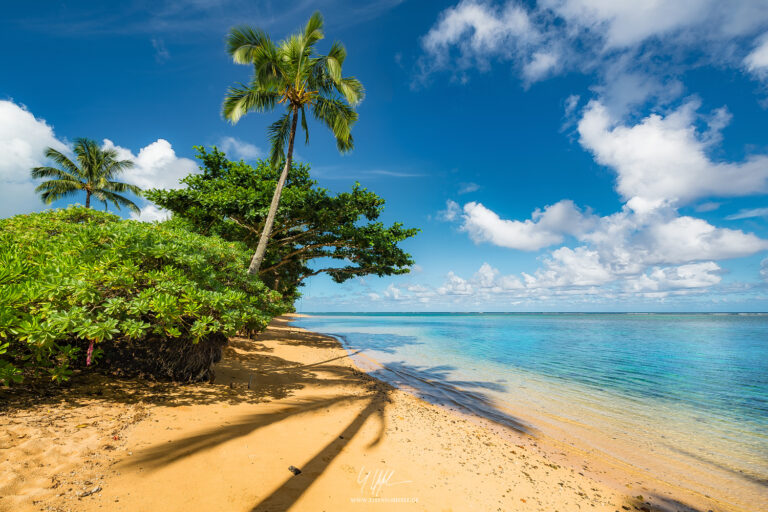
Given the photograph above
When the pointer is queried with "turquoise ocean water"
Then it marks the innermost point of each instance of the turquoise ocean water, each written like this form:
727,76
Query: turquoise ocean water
681,396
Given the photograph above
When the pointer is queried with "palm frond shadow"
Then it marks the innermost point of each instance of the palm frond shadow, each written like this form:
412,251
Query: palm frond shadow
160,455
658,503
435,385
285,496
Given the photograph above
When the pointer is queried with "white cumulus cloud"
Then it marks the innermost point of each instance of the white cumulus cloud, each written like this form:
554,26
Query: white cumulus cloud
663,159
544,228
661,281
23,141
157,165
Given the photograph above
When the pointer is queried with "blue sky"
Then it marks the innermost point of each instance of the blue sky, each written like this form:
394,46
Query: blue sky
566,155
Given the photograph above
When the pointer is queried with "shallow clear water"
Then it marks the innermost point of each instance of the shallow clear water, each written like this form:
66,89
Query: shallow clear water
683,396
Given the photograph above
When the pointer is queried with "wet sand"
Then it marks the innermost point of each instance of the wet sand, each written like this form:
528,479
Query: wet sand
290,398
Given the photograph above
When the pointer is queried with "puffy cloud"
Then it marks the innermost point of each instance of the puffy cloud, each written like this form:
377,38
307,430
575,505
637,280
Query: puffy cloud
544,228
393,292
151,213
659,282
570,267
619,248
423,294
239,149
157,165
23,141
478,29
472,33
663,159
689,239
628,242
573,273
764,269
455,285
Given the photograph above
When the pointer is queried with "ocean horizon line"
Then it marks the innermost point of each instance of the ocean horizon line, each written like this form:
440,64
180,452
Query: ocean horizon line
532,312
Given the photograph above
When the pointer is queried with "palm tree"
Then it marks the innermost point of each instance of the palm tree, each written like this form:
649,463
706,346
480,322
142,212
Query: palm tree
93,173
291,73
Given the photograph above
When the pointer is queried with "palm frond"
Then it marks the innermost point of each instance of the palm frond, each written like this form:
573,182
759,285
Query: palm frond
292,52
244,42
117,200
63,161
118,186
87,152
268,68
278,136
291,69
313,31
52,172
352,90
56,189
339,117
242,99
113,168
334,60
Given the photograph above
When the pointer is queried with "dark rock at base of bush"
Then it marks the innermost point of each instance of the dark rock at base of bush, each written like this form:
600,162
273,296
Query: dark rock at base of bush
167,359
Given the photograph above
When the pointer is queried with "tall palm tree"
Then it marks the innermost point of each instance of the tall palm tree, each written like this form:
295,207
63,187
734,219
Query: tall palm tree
291,73
93,172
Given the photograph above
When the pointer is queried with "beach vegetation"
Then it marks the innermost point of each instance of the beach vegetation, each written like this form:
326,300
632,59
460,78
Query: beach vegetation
82,289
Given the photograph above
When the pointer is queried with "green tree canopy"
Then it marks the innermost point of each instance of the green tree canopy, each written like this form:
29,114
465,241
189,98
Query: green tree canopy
94,173
338,234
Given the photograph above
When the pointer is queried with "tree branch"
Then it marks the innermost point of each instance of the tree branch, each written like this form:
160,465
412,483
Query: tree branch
354,270
243,225
287,258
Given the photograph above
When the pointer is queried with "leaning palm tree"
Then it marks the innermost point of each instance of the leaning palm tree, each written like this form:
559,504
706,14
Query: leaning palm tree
93,172
291,73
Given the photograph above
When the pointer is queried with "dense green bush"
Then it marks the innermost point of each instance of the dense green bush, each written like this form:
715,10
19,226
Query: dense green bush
84,289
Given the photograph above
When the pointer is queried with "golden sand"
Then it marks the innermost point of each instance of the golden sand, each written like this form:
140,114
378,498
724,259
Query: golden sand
290,398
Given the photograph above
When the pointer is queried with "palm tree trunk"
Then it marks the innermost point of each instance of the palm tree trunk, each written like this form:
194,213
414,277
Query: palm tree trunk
261,249
87,199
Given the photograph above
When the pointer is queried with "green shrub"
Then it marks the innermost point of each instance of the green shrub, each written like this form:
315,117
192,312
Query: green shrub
81,288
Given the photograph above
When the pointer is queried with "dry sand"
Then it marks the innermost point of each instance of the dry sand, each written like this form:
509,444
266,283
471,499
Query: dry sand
360,445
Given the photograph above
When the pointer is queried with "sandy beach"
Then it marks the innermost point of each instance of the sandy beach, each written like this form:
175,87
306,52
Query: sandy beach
288,399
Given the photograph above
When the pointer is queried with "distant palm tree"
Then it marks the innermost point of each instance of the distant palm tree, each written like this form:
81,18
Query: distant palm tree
291,72
93,173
